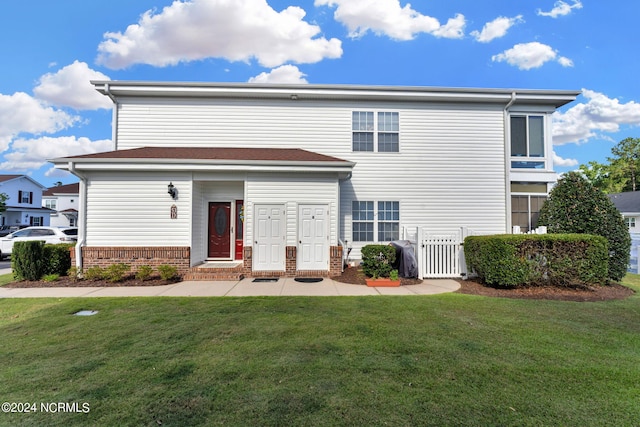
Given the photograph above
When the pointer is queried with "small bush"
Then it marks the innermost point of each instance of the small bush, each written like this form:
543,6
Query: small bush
27,260
547,259
50,277
377,260
168,272
116,272
57,259
144,272
73,273
95,273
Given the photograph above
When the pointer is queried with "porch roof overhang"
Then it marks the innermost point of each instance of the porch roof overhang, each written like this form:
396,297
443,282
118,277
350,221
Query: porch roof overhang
208,159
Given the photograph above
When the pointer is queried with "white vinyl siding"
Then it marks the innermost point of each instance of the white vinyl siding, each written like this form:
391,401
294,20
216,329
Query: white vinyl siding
133,209
291,190
450,171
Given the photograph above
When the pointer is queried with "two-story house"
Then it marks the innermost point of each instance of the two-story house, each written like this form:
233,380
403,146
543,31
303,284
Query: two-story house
276,180
63,201
24,202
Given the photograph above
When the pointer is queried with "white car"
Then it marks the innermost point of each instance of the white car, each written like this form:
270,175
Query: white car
47,234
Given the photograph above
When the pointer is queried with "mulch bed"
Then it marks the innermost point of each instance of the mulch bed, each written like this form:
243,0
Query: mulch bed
471,287
354,275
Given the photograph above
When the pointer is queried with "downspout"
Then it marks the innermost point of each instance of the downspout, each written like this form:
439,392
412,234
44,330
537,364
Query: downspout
114,119
82,215
507,161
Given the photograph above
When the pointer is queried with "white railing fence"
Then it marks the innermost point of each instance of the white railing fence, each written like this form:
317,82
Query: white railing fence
440,254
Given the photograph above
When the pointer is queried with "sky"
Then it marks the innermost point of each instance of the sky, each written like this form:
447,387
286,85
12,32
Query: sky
50,50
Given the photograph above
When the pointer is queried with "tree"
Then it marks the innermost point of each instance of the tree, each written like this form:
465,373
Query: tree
626,163
576,206
600,176
3,202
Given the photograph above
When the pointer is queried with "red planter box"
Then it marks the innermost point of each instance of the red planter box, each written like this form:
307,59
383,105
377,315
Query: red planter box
382,282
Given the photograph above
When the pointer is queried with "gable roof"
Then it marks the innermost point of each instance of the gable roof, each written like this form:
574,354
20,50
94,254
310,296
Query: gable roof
6,178
63,189
628,202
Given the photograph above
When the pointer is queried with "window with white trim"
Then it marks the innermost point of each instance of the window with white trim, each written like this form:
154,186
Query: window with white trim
51,204
631,222
376,131
527,141
375,221
525,211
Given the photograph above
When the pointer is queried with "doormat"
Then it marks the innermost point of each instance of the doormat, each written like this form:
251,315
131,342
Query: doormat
264,279
308,279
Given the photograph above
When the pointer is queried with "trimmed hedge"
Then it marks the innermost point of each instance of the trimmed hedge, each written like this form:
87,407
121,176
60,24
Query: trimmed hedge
27,260
31,260
514,260
377,260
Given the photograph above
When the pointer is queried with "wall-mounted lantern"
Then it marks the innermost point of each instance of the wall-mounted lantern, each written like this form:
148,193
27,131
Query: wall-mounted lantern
173,191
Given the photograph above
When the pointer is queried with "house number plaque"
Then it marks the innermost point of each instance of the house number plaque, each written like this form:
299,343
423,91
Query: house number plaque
174,212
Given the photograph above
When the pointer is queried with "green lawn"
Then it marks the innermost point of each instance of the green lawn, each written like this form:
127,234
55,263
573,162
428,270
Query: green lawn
450,359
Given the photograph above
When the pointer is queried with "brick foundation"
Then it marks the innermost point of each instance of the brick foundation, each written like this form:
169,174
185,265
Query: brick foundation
180,257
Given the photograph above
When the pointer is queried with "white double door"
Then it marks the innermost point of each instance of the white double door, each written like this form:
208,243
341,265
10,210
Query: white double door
270,237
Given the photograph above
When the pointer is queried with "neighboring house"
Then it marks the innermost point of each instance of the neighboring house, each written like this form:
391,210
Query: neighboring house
629,206
285,179
24,205
64,200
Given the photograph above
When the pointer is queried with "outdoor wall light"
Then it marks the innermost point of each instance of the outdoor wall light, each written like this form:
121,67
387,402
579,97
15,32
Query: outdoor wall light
173,191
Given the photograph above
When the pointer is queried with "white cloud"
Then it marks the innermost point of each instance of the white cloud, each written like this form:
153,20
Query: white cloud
387,17
236,30
33,153
559,161
283,74
496,28
600,114
70,87
561,8
526,56
21,113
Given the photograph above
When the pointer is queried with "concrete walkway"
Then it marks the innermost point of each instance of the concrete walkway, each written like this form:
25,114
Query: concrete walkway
242,288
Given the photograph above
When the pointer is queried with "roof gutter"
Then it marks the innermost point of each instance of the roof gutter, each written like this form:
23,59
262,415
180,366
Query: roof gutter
507,161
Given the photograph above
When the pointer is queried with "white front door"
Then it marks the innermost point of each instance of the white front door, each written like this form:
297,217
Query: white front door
269,238
313,238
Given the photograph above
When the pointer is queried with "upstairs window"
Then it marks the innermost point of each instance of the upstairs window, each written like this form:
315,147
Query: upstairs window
527,142
51,204
376,131
25,197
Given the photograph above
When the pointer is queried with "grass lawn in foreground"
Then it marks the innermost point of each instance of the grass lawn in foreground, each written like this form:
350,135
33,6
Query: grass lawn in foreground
449,359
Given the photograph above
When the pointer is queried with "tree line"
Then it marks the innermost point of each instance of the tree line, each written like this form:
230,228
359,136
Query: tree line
621,173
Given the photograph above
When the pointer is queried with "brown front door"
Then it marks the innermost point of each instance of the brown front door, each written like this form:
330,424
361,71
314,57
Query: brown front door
220,230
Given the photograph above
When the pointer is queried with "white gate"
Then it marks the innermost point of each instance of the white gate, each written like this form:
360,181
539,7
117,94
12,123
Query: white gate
440,254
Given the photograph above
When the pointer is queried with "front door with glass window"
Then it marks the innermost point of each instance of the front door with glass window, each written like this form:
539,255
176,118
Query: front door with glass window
220,230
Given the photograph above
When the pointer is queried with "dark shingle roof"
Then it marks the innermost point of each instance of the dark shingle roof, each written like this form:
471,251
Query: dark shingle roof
626,202
215,153
63,189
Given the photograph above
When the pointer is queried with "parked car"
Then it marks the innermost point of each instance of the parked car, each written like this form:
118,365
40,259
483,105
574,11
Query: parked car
7,229
52,235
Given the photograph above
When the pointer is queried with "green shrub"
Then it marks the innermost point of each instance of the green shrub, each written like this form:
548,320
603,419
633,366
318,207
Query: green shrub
377,260
27,260
144,272
50,277
95,273
73,273
575,206
514,260
116,272
168,272
57,259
